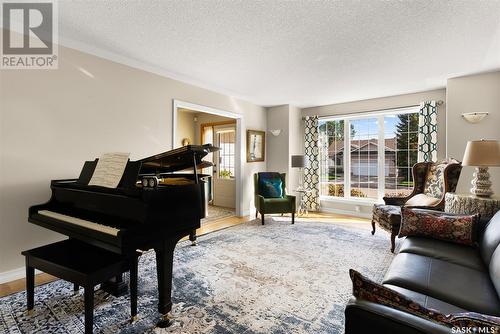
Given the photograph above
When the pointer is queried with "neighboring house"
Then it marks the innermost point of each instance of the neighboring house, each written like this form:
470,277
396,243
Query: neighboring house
364,156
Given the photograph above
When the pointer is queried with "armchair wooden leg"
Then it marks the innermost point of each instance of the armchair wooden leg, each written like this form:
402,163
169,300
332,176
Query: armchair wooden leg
373,227
293,217
256,214
393,242
262,217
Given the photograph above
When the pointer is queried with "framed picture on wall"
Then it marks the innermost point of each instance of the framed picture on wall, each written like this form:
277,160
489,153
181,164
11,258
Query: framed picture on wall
256,145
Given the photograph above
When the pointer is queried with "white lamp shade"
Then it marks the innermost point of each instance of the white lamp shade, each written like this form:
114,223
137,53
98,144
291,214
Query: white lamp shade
482,153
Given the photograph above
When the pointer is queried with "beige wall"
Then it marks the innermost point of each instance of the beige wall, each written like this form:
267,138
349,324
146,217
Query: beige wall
53,120
469,94
277,147
296,142
287,118
185,128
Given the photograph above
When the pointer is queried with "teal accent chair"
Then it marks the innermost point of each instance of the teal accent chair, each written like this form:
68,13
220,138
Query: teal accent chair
284,204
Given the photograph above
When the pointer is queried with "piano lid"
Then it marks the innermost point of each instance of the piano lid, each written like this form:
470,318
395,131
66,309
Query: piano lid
177,159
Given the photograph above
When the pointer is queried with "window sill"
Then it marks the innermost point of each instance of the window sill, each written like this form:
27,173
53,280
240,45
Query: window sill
349,200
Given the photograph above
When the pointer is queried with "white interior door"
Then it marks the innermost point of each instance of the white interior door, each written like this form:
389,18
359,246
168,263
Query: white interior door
224,185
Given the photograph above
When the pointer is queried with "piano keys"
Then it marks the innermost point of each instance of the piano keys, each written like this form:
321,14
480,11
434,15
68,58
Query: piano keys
132,216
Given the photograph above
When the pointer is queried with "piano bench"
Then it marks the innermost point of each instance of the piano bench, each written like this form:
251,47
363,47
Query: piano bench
83,265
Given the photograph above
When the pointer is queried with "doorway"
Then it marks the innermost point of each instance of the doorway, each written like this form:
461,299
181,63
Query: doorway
195,124
223,135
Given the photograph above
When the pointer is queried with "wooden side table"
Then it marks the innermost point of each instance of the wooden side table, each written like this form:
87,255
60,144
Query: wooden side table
470,204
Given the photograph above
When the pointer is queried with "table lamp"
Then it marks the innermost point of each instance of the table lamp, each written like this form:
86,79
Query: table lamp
300,161
482,154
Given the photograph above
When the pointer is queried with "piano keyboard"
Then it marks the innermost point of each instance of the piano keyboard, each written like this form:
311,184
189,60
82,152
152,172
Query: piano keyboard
80,222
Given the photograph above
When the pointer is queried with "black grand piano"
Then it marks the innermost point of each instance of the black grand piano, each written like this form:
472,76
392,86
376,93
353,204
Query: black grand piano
152,207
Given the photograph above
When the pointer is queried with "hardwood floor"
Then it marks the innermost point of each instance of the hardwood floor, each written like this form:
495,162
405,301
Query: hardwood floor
20,284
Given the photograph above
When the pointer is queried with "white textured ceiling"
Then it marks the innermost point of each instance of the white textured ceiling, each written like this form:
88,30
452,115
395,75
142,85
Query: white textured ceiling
304,53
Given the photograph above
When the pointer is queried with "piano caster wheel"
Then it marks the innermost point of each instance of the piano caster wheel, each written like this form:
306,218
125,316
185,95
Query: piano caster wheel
194,243
30,312
134,319
165,322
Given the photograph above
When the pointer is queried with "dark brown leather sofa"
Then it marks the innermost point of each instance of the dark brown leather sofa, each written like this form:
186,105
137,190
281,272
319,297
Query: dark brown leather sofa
440,275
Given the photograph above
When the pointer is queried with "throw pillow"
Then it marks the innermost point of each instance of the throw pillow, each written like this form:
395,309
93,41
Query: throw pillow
475,321
422,200
460,229
271,187
364,288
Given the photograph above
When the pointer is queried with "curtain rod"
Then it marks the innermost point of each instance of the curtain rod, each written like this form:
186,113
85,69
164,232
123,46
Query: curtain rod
439,103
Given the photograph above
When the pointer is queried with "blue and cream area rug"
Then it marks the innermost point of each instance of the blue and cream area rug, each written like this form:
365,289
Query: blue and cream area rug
276,278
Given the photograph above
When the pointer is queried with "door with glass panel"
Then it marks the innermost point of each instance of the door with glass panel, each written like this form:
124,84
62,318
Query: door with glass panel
224,166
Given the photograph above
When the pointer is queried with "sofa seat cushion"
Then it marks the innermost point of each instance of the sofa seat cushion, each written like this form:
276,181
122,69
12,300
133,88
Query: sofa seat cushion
388,217
467,288
426,301
276,205
443,250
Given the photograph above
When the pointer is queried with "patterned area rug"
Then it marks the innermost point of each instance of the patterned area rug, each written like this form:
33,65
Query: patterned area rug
216,213
276,278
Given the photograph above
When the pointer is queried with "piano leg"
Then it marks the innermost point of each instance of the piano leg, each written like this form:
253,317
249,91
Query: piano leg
30,286
192,238
164,263
133,288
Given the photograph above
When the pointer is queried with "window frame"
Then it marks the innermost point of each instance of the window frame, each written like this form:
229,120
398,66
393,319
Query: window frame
347,118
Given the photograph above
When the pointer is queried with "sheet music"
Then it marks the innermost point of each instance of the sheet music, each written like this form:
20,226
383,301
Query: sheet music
109,170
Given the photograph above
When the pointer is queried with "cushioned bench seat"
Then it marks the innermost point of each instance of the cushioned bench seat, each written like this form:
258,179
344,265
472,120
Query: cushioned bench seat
467,288
442,250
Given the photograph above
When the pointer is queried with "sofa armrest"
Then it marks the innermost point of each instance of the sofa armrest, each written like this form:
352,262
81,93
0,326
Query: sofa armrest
293,200
363,316
260,199
399,201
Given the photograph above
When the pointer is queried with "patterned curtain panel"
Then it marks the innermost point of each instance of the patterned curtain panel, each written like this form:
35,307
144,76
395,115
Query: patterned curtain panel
427,131
311,173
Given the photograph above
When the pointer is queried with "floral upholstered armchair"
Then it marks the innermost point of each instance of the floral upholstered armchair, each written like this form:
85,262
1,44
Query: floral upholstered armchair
432,180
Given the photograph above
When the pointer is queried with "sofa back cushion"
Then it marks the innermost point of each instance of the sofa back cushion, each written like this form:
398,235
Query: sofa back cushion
490,239
494,268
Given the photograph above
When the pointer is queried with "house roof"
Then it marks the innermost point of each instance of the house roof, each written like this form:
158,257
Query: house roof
362,145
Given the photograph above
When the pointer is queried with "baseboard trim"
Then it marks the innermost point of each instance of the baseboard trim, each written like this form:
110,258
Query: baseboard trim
14,274
347,213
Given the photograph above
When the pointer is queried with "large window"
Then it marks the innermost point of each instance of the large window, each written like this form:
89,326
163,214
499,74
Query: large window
373,170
